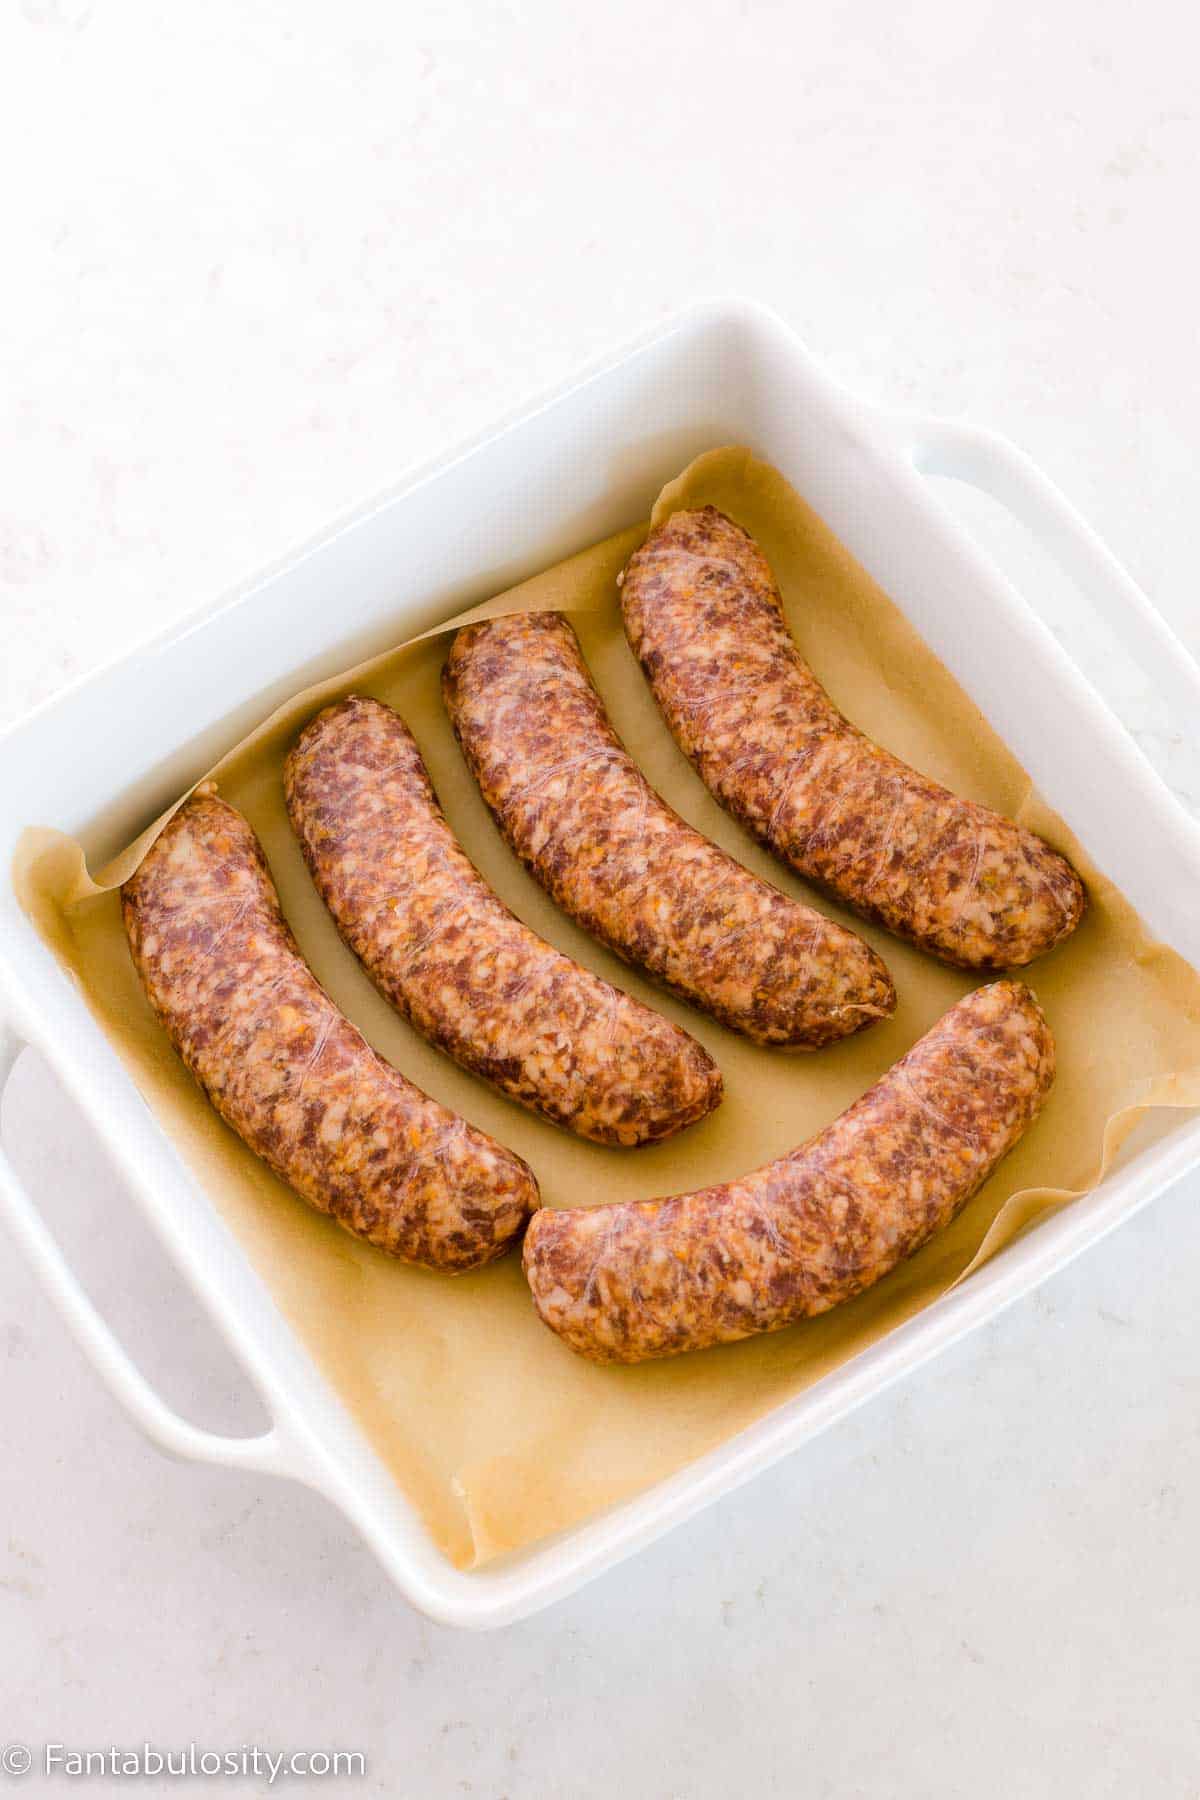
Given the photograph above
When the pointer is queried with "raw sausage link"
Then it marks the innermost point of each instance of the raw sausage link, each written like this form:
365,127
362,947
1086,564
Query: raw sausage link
584,820
704,618
651,1278
293,1077
451,957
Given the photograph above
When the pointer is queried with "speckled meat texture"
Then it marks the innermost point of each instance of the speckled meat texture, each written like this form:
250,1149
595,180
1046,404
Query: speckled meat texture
652,1278
451,957
586,823
705,620
293,1077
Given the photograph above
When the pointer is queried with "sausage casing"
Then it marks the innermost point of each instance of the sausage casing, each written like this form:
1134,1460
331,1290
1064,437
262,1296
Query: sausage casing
652,1278
582,817
289,1073
704,618
448,954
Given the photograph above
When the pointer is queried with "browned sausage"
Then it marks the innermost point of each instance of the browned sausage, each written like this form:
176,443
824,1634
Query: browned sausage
704,618
450,956
293,1077
654,1277
584,820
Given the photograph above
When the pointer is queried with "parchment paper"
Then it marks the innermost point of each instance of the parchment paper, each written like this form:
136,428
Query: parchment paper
497,1432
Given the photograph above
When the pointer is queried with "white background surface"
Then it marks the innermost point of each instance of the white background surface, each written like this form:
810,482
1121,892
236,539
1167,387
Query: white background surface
259,258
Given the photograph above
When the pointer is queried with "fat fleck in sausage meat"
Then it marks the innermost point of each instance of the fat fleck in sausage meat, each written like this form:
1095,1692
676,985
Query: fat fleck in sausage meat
586,823
293,1077
450,956
704,618
624,1283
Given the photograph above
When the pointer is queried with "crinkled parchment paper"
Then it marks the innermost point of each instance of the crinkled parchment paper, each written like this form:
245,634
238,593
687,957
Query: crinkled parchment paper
497,1432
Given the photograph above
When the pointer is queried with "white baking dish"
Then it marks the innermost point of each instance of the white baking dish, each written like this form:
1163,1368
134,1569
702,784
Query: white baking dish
568,471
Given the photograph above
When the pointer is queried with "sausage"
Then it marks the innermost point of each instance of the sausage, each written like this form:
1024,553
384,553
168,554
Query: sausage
704,618
582,817
624,1283
449,955
296,1081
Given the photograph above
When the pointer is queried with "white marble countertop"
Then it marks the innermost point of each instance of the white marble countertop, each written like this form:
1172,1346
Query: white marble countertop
258,259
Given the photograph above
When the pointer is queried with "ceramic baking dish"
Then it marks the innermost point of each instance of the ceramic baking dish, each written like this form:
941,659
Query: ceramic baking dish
569,471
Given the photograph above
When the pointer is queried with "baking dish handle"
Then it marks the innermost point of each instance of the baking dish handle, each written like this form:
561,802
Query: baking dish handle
125,1380
991,463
